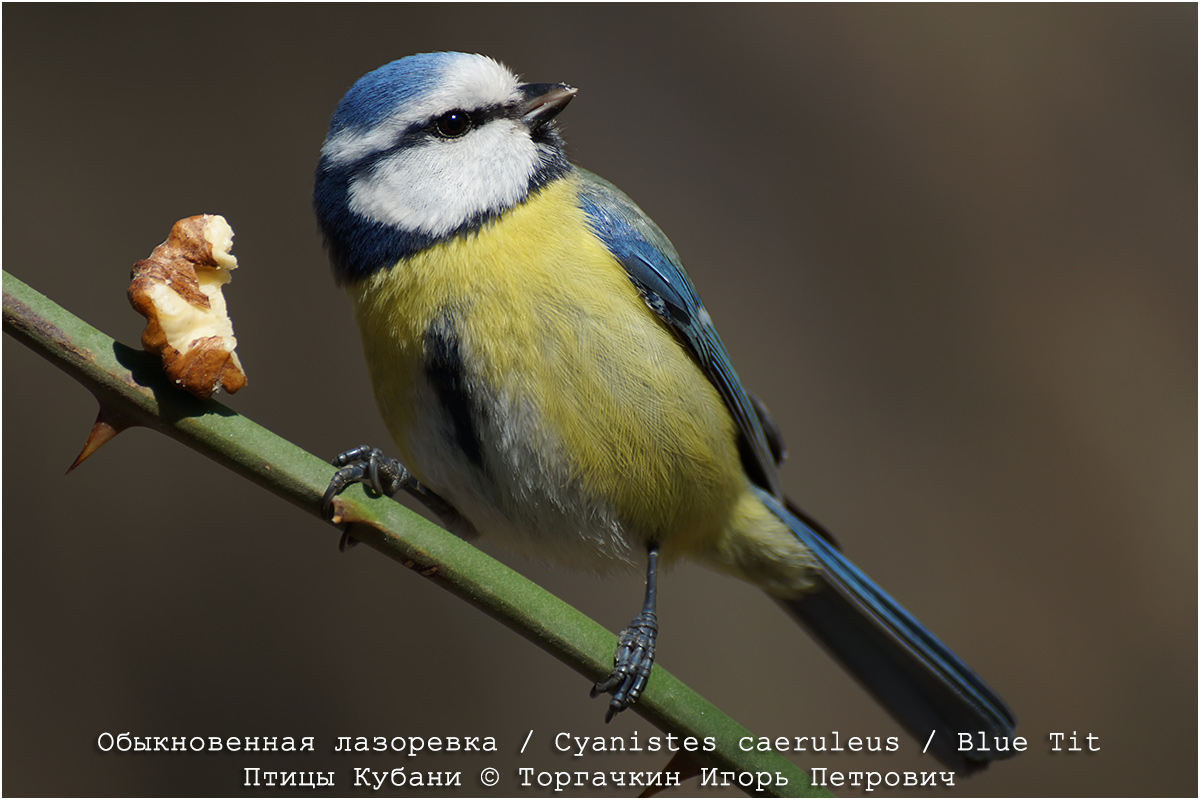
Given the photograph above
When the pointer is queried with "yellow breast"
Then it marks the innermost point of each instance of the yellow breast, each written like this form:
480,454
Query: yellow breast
582,392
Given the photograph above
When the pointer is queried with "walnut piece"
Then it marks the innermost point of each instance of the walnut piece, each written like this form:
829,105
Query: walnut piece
178,290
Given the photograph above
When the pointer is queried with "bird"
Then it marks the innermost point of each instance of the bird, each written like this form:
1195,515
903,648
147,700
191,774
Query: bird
552,381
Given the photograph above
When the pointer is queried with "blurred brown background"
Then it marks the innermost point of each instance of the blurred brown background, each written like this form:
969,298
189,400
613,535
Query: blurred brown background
953,248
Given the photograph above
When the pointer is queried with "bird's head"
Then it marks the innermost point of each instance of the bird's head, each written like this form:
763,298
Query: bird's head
428,147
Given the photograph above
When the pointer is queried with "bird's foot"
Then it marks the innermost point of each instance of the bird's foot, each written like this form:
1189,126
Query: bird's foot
369,466
631,664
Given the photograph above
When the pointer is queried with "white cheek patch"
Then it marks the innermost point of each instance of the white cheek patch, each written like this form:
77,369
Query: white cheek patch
437,186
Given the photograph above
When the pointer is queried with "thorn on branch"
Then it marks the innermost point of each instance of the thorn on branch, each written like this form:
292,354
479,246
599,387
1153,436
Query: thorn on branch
108,424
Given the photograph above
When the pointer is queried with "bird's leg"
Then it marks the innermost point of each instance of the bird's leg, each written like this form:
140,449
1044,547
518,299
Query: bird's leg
382,475
635,649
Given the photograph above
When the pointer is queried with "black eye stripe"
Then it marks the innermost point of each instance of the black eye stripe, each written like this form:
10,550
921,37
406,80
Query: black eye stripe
448,126
420,133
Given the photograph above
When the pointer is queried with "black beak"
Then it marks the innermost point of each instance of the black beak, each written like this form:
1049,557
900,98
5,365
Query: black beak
543,101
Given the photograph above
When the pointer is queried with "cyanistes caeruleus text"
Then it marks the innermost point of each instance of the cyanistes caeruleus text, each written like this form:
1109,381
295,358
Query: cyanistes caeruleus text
552,380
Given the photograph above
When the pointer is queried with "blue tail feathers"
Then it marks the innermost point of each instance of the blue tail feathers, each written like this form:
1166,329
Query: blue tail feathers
921,683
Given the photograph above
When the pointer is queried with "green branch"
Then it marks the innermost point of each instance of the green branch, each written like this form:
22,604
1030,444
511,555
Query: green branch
132,389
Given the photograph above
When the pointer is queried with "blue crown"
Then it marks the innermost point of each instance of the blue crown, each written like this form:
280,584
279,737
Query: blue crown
377,95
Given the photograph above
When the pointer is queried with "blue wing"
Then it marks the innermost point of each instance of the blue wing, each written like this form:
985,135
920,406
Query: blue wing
916,677
655,269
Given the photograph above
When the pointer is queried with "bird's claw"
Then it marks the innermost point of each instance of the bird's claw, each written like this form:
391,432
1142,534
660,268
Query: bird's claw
631,664
369,466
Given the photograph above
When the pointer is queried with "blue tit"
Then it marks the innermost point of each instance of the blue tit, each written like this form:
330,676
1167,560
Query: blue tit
551,379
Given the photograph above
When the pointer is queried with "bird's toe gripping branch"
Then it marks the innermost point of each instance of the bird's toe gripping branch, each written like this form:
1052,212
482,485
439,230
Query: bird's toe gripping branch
370,466
631,665
635,649
382,475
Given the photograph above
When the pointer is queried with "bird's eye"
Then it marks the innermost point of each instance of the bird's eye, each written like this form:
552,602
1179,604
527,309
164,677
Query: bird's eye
453,123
